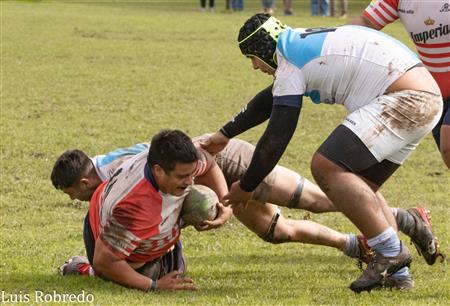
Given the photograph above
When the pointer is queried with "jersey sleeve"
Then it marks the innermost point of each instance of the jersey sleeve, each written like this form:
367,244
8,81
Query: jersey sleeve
204,162
382,12
289,84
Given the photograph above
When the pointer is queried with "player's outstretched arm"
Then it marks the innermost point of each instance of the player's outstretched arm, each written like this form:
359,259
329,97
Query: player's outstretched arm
254,113
113,268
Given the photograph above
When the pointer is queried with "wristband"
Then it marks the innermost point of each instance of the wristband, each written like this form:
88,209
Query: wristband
153,285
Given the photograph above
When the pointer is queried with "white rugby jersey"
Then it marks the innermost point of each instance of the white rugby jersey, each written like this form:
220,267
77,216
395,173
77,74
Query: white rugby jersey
106,164
428,24
349,65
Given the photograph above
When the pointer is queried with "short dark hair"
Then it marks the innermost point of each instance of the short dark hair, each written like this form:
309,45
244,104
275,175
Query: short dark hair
170,147
69,168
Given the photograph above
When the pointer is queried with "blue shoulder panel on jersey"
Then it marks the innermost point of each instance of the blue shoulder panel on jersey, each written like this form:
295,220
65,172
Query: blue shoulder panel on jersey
292,100
399,43
113,155
299,51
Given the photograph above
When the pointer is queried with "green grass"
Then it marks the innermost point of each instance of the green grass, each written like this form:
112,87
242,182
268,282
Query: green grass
100,75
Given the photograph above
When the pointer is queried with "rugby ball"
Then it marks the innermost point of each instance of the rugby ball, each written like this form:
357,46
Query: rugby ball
199,205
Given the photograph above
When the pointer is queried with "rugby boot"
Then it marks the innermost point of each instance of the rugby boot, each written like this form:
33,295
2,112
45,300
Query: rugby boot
381,267
76,265
365,252
422,235
399,283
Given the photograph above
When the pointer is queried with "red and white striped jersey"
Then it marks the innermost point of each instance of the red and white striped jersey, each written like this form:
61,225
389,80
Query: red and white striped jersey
428,24
133,218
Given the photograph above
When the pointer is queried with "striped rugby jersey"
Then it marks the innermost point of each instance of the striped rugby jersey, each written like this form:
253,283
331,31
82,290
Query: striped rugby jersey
133,218
428,24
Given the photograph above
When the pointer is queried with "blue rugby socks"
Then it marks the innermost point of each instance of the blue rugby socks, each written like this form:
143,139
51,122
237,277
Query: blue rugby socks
386,243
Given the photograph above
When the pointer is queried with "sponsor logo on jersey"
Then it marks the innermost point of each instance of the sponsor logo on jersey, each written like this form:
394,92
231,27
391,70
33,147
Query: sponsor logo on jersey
351,121
422,37
429,21
445,8
405,11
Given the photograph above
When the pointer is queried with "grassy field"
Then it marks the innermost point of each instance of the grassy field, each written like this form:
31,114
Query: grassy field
101,75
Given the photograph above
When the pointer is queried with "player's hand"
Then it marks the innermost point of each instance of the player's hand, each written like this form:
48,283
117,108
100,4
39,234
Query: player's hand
236,195
224,214
175,281
214,143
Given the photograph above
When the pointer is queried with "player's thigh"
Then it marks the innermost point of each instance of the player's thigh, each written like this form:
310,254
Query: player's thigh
345,149
282,187
277,187
375,139
256,216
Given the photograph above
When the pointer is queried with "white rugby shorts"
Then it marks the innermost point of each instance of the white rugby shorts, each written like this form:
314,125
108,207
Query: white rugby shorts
392,125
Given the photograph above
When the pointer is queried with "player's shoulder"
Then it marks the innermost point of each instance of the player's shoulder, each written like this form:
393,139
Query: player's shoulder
125,178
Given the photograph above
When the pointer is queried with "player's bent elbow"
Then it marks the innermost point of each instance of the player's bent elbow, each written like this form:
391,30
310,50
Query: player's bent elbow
98,267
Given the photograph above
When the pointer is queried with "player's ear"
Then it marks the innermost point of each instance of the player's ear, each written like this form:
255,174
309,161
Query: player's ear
85,182
157,170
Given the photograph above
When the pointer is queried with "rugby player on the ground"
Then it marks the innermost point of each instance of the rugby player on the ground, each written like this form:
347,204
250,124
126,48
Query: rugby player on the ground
282,186
132,230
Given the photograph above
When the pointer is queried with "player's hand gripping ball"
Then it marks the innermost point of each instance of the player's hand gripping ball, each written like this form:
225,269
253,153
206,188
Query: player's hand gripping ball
199,205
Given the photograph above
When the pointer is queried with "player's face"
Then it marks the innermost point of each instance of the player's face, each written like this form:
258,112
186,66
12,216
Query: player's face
79,191
176,181
259,64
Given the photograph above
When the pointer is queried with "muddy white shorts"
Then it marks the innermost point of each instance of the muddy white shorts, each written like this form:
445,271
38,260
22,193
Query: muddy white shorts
392,125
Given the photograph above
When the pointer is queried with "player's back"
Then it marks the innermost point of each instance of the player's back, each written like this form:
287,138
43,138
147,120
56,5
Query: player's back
348,65
106,164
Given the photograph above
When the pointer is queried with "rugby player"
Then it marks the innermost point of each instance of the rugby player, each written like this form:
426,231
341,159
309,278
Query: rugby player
428,24
392,100
132,229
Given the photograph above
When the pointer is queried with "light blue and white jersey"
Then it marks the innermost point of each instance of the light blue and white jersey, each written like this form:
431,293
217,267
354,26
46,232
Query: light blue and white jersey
106,164
349,65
